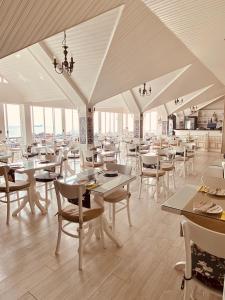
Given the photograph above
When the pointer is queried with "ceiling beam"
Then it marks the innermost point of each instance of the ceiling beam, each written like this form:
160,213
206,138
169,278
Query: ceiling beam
131,102
43,57
107,50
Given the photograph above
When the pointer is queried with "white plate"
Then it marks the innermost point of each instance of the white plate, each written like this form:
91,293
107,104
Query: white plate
216,209
218,192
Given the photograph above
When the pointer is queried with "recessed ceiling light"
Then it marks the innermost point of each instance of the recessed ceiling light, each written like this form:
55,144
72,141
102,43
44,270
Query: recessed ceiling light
18,55
3,80
41,77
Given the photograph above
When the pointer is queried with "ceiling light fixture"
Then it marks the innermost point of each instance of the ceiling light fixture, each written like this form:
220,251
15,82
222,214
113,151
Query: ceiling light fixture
178,101
145,92
194,109
64,66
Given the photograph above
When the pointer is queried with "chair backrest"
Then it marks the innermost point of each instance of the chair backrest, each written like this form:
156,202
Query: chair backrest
214,171
210,241
4,173
148,160
70,191
123,169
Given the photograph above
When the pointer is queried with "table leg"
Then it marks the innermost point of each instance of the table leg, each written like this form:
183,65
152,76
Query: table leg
106,227
34,196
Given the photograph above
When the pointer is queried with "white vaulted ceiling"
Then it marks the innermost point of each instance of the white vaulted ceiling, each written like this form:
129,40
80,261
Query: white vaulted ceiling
176,46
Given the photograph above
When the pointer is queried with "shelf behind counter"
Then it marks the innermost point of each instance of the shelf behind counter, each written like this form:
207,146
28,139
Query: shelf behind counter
206,140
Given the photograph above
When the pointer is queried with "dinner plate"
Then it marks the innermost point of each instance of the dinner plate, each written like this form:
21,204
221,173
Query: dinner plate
216,209
44,161
217,192
109,173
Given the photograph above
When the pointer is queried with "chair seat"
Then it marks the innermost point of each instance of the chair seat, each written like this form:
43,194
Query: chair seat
71,213
167,167
73,156
208,268
181,158
15,186
95,164
190,155
47,177
117,196
152,172
143,151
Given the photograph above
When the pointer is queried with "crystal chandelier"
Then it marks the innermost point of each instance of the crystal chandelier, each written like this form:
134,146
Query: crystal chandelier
145,92
178,101
194,109
64,66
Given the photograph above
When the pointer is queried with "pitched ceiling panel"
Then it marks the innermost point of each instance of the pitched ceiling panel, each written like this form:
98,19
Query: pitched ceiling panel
88,43
200,25
193,79
25,22
26,76
157,85
142,49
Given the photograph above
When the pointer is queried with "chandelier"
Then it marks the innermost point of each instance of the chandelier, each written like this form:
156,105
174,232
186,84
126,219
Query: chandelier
194,109
64,66
178,101
145,92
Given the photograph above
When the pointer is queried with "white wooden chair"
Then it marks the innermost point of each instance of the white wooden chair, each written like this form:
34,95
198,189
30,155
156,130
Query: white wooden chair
182,161
8,187
168,165
154,173
120,194
91,159
207,242
75,214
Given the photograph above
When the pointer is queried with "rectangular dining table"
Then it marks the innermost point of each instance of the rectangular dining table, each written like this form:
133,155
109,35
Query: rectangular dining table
29,168
105,186
186,201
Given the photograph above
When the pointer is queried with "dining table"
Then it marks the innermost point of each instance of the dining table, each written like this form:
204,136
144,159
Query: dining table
102,187
189,202
4,156
29,168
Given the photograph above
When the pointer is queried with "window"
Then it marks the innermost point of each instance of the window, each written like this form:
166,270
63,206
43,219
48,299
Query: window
38,122
130,122
49,131
150,121
103,122
47,122
107,122
69,122
12,120
96,123
58,122
72,122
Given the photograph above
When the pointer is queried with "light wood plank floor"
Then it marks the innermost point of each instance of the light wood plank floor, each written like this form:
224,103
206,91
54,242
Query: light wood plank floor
141,269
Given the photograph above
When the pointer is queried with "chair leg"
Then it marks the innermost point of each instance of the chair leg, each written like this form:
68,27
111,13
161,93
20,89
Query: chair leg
46,192
113,217
8,208
30,201
174,185
128,211
140,187
59,234
80,250
101,231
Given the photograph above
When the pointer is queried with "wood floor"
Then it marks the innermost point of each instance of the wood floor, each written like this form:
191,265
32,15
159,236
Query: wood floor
141,269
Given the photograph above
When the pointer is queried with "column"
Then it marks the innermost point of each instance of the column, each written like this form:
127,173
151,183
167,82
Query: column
86,122
2,125
223,134
138,126
26,124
